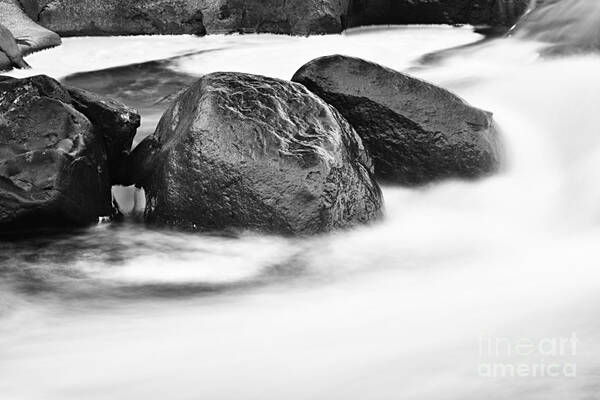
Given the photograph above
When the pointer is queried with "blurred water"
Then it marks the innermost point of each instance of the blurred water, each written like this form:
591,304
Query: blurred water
573,25
394,310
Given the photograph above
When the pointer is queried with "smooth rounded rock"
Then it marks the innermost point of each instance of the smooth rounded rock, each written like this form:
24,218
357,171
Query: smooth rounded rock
416,132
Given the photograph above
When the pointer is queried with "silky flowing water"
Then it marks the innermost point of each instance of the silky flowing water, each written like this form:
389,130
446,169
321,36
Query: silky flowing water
396,310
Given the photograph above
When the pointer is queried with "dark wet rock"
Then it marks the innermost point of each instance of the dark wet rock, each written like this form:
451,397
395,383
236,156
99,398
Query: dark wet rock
474,12
29,36
53,169
239,151
416,132
114,121
54,161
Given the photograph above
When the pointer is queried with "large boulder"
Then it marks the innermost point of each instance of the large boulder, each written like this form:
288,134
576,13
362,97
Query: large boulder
239,151
30,37
54,168
475,12
416,132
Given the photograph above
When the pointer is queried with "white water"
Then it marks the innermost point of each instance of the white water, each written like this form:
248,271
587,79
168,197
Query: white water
392,311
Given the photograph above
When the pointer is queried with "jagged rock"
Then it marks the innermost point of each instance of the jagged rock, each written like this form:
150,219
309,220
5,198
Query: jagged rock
54,168
239,151
30,37
416,132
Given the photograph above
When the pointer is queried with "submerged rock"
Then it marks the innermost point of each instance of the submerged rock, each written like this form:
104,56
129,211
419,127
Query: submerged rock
416,132
28,36
54,168
239,151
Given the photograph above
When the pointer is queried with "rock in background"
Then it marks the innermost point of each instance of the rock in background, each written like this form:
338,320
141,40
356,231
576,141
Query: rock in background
474,12
416,132
117,17
30,36
239,151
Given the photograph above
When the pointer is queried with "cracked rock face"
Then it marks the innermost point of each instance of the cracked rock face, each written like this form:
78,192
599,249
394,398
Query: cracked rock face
54,163
239,151
416,132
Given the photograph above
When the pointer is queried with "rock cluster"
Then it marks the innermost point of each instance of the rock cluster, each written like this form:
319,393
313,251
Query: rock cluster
237,151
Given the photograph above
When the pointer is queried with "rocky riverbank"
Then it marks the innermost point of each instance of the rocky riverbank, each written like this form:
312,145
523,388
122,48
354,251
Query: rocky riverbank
299,17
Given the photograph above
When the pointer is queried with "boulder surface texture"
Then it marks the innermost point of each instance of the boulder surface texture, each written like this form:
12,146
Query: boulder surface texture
416,132
240,151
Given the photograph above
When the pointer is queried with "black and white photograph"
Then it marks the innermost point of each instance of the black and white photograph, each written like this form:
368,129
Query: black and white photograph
299,199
